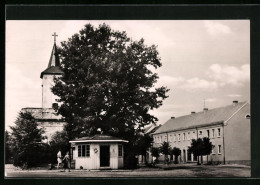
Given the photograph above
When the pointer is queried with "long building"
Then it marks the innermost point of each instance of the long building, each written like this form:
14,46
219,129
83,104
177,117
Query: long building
227,127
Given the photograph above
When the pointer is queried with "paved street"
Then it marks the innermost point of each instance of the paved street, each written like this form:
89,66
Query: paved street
166,171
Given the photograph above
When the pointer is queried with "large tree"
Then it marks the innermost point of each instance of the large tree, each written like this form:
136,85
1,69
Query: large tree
108,83
27,146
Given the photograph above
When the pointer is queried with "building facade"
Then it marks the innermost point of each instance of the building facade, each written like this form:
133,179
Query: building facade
227,127
98,152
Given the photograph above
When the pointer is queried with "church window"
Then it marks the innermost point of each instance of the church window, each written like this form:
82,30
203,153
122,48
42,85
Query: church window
179,137
208,133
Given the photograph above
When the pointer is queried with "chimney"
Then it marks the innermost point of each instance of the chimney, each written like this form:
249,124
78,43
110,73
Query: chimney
205,110
192,112
173,117
235,103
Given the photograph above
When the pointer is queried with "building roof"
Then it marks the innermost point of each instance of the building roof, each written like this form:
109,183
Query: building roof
151,129
204,118
98,138
54,63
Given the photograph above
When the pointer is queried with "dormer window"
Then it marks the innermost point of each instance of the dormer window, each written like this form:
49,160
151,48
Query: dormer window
248,116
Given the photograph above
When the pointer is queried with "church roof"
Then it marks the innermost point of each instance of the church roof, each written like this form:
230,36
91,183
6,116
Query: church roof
54,63
200,119
98,138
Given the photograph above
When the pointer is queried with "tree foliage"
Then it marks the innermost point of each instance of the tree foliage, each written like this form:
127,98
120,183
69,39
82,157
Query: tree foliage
165,148
27,139
8,147
176,152
59,142
108,83
155,152
200,147
144,143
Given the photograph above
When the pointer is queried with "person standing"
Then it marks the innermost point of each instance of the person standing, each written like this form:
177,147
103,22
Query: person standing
59,159
66,161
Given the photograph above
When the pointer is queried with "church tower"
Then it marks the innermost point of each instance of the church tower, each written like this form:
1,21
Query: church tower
47,76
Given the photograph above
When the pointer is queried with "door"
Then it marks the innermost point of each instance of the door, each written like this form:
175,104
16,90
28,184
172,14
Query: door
104,155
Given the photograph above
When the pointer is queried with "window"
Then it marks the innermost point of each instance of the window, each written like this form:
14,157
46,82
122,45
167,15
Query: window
165,138
120,151
218,132
170,138
188,135
174,138
179,137
208,133
213,150
83,150
219,149
200,132
248,116
213,133
79,151
184,136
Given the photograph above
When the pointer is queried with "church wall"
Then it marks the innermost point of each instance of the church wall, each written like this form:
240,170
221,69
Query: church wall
50,128
48,98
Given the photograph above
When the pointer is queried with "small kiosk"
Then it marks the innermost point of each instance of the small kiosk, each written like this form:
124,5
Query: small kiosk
98,152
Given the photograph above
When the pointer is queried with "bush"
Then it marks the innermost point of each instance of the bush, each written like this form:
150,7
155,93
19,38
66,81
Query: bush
35,155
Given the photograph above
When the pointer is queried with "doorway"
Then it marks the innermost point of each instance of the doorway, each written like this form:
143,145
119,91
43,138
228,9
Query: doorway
104,155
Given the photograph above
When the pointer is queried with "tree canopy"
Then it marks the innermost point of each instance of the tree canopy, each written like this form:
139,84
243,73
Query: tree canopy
176,152
26,140
108,83
200,147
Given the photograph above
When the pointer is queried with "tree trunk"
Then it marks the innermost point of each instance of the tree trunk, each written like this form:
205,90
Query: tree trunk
201,157
198,160
207,159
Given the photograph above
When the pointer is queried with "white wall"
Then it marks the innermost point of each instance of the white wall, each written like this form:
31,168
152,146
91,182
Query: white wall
93,162
48,96
114,156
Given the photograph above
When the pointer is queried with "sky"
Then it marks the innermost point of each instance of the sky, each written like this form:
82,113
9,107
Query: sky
203,61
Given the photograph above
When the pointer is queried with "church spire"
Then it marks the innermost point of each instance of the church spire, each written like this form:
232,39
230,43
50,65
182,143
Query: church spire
54,62
54,59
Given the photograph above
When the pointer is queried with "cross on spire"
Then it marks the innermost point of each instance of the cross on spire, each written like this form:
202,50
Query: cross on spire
54,35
